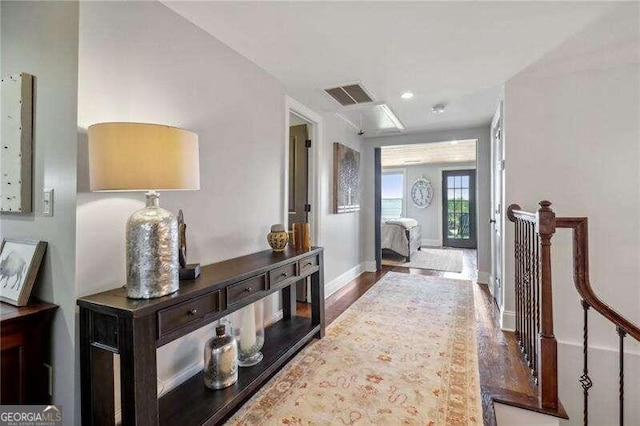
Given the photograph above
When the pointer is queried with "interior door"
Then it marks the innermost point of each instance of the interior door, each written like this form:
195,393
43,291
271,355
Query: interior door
299,145
497,179
298,174
459,208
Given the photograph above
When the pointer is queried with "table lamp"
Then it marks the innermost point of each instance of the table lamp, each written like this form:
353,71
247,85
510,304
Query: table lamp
146,157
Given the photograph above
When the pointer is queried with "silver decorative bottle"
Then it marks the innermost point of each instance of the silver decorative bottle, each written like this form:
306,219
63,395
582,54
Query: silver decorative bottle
152,251
220,360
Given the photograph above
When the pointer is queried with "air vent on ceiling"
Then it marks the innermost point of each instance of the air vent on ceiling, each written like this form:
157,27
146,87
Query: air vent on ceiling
351,94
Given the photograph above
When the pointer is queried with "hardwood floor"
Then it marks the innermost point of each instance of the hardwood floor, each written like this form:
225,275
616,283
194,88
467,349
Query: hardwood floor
503,374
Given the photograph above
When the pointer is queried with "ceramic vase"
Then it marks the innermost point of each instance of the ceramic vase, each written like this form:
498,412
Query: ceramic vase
278,238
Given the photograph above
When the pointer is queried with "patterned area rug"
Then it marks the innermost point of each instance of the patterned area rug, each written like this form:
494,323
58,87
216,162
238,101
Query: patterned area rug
437,259
404,353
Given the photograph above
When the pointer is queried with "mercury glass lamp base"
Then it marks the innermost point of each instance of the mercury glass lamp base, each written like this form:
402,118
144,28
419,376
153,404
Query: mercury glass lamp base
152,251
251,361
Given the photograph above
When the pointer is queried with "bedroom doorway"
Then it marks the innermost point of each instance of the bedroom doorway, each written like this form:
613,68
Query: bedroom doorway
422,222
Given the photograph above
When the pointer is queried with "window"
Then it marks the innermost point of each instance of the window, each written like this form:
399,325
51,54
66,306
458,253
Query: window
393,194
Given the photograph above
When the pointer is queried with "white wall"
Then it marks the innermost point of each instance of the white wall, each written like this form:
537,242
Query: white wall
340,234
143,62
429,219
572,137
483,182
41,38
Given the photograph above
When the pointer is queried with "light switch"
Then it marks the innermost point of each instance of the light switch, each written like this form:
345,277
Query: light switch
47,202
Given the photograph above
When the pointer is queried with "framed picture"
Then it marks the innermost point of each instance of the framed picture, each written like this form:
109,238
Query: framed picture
346,179
19,264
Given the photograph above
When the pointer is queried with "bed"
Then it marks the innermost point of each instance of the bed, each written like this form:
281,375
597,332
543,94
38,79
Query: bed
402,236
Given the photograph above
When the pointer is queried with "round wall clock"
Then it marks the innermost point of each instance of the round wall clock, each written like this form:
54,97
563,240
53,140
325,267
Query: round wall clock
421,193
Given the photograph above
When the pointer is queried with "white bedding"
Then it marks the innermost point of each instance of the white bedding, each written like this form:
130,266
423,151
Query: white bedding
393,235
405,222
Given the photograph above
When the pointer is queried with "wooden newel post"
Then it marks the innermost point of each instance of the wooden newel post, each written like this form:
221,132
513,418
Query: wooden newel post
548,346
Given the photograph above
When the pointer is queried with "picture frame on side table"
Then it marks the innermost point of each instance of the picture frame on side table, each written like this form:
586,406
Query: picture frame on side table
19,265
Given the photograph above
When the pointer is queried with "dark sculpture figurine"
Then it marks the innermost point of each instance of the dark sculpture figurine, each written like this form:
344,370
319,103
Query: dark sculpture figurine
187,271
182,240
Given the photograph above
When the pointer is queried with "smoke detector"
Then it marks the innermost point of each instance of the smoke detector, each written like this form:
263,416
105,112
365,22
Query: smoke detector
438,108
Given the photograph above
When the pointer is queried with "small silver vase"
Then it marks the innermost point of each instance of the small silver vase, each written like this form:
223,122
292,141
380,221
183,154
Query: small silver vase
152,251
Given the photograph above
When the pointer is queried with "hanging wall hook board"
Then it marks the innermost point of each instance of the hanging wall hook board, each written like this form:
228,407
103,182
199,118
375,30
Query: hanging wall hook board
16,144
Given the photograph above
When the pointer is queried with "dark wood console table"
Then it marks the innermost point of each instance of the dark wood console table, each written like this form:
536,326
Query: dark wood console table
112,324
24,349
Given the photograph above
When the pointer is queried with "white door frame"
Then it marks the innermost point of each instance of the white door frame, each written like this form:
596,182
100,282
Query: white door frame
315,133
497,212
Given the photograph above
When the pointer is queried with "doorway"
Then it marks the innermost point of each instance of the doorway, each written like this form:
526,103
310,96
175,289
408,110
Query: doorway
411,229
303,133
459,208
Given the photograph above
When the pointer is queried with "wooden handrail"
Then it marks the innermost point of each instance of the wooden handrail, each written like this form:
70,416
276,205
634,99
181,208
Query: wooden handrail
581,275
533,297
580,228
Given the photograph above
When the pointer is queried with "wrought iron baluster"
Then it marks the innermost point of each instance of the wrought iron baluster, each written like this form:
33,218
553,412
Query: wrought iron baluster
622,335
585,380
536,298
528,292
518,266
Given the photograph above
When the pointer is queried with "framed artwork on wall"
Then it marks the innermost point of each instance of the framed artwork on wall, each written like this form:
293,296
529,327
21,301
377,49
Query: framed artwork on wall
346,179
19,265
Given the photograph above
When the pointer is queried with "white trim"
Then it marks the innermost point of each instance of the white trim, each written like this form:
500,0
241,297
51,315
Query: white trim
344,279
430,242
484,277
369,266
508,322
316,134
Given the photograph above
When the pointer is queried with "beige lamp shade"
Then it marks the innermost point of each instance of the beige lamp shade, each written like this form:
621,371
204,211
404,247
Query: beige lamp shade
142,157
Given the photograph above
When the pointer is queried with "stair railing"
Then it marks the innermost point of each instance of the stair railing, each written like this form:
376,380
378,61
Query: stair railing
534,305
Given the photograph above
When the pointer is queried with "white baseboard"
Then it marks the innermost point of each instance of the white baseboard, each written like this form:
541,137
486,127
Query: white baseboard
484,277
369,266
508,320
431,242
344,279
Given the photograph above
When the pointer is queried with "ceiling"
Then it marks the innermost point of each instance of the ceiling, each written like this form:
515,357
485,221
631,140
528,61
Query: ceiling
463,151
457,53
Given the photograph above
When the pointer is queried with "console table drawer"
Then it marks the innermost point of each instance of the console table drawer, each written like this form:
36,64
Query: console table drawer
282,273
246,288
172,318
308,263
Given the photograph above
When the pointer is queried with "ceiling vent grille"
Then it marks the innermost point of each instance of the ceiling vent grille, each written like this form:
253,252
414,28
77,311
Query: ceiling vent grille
350,94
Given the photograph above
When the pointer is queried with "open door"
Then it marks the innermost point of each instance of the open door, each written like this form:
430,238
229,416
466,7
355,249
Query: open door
459,208
299,208
497,179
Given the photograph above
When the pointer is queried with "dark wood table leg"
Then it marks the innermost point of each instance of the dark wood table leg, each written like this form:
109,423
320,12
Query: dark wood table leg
96,378
289,301
317,298
138,371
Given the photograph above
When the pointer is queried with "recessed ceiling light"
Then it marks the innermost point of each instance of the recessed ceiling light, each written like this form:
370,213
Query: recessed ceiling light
407,95
454,142
438,108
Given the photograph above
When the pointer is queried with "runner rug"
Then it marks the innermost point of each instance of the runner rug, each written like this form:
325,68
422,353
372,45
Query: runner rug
404,353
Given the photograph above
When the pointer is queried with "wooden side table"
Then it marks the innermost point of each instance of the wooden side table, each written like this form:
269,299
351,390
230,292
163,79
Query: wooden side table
24,350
